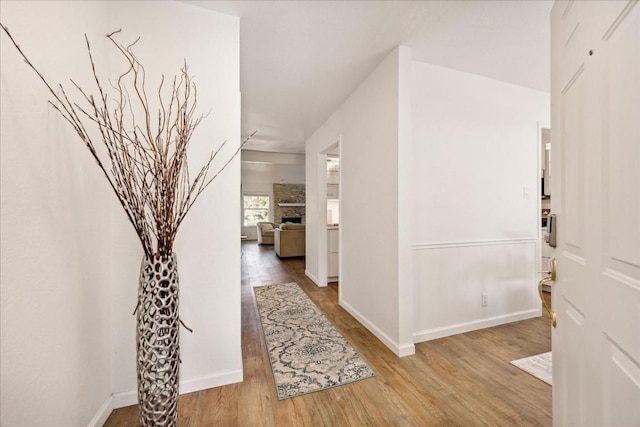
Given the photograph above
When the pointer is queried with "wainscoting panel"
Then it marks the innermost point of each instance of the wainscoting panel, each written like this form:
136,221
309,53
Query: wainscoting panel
451,278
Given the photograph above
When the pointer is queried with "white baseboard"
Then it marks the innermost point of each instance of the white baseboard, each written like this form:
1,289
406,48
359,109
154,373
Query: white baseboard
406,350
313,278
128,398
399,350
103,413
223,378
432,334
125,398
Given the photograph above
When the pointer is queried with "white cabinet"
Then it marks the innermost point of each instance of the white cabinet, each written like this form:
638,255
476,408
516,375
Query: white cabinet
333,271
332,191
333,249
547,253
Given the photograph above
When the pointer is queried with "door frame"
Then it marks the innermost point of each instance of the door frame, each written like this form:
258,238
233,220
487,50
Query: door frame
541,268
322,238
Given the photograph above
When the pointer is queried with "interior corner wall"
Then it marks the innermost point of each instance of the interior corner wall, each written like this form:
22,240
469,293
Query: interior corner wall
70,260
207,244
476,212
367,127
405,202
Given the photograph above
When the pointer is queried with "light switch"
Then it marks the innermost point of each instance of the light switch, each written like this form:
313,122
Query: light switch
525,192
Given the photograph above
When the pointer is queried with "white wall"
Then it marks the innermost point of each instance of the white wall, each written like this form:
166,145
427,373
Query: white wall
57,266
260,170
444,166
70,259
367,127
476,196
208,241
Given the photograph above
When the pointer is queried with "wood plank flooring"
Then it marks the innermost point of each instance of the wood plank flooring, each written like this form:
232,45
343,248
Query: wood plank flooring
463,380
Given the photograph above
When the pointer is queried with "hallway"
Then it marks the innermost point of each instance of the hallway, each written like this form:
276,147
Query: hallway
463,380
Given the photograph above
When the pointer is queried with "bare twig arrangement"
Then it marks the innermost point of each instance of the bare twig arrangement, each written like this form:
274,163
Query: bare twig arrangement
145,161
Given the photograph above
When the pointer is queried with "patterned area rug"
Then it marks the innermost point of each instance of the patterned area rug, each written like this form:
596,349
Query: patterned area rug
307,352
539,366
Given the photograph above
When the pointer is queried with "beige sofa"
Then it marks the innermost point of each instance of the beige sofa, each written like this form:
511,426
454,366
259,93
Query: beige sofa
290,240
265,232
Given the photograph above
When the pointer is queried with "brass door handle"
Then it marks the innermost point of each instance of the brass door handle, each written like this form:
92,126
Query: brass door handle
550,278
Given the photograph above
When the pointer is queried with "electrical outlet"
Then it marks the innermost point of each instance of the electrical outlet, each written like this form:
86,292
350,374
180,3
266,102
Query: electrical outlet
485,299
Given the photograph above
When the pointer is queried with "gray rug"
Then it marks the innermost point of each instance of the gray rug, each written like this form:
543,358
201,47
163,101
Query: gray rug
539,366
307,352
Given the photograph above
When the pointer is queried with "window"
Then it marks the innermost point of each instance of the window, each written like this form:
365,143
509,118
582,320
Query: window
255,209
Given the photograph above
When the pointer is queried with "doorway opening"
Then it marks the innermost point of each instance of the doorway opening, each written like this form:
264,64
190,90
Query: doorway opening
333,217
547,252
329,234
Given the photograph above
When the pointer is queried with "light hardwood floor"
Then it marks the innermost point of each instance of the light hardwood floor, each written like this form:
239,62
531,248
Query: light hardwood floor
463,380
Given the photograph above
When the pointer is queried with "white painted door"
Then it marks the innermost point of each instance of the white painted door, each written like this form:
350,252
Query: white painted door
596,195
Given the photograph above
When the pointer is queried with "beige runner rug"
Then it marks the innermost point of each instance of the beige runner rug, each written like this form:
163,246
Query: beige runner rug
307,353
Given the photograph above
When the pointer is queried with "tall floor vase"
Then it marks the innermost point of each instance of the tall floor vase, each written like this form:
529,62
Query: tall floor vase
158,349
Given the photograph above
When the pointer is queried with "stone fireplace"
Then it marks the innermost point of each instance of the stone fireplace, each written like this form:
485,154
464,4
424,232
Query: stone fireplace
289,202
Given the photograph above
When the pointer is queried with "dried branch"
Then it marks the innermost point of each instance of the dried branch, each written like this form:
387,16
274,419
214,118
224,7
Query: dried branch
146,167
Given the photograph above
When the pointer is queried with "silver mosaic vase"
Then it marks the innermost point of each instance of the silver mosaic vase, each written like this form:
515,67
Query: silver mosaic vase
157,336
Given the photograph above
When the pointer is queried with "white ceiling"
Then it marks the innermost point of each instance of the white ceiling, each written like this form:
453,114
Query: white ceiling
299,60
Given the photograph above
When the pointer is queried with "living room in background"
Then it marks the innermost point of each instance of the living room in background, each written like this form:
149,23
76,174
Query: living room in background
255,208
260,170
